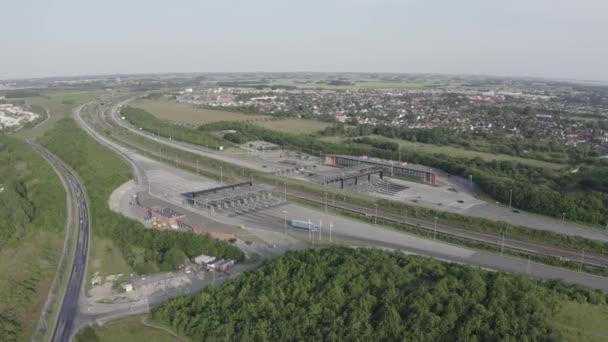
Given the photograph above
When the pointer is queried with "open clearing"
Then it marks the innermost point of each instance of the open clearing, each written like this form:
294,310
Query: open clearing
128,329
188,114
459,152
106,259
294,125
59,105
582,322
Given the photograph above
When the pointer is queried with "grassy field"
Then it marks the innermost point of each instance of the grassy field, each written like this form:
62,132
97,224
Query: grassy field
128,329
417,85
105,258
459,152
583,322
188,114
294,125
32,228
59,105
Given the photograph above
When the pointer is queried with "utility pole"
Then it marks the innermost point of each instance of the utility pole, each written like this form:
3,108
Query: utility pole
331,226
510,197
221,175
502,245
563,218
197,170
285,215
376,216
582,258
435,229
285,189
320,227
326,208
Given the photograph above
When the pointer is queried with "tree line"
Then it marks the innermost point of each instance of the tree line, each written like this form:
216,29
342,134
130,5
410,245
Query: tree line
342,294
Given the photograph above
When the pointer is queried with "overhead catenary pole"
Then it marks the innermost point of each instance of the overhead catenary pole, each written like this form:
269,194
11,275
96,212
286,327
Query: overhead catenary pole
376,216
285,216
320,227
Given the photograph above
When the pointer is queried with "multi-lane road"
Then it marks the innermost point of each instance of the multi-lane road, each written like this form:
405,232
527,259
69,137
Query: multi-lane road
370,233
64,327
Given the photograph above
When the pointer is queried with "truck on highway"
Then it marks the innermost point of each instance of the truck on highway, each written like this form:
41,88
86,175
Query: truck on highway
303,225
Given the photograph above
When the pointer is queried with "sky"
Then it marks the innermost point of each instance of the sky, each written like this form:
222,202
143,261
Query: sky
562,39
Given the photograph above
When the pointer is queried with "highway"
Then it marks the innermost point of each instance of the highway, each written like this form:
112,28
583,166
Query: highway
374,235
575,256
64,327
487,211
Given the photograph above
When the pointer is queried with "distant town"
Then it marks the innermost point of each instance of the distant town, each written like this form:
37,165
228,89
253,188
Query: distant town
567,113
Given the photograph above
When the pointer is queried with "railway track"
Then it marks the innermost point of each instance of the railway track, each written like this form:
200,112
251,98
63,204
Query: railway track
501,242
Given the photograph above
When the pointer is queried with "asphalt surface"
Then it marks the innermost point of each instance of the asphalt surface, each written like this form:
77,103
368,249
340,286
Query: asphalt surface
346,230
575,256
485,210
369,236
64,327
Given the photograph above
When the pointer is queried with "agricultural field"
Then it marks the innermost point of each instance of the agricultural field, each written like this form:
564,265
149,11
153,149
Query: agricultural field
294,125
362,84
128,329
32,230
458,152
188,114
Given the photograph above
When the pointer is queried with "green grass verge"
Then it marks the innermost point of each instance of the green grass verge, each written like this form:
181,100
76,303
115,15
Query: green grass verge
59,105
32,228
128,329
582,322
456,152
143,250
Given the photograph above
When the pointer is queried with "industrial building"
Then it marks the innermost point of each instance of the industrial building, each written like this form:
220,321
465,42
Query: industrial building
390,168
166,215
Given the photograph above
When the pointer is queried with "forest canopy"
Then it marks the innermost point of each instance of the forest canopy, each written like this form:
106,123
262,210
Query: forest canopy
342,294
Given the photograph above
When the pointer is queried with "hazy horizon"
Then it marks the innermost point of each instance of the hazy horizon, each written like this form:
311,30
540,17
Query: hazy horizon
540,39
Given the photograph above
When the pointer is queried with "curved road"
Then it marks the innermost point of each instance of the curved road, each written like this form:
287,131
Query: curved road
380,237
487,211
64,327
